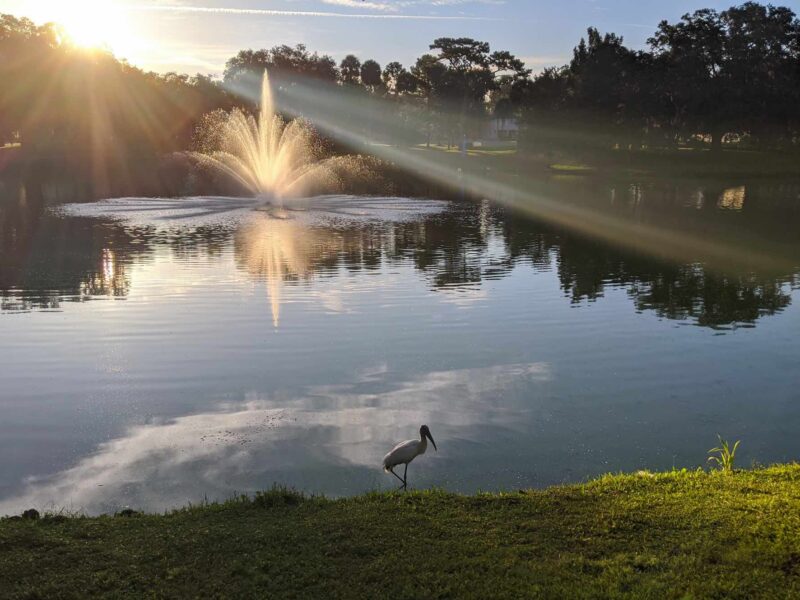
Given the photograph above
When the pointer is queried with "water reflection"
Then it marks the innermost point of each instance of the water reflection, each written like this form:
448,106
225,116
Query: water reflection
289,247
330,432
258,347
280,249
47,259
467,245
732,198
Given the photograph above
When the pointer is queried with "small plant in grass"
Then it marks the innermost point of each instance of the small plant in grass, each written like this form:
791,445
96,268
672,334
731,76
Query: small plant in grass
724,455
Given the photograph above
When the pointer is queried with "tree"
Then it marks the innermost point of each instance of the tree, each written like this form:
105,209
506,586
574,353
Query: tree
694,50
543,103
350,70
504,109
391,73
709,74
505,62
405,83
108,121
429,74
462,54
733,72
371,74
281,61
601,77
28,54
762,54
471,73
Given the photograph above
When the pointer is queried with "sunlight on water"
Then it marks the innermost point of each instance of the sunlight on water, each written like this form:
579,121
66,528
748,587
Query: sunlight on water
732,198
278,249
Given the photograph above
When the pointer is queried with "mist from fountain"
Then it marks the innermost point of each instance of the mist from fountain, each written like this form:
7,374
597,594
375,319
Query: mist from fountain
271,158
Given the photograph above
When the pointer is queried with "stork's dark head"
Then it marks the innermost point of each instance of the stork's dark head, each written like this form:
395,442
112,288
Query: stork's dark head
424,432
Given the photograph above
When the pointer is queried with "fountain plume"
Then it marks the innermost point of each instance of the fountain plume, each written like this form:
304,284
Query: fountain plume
269,157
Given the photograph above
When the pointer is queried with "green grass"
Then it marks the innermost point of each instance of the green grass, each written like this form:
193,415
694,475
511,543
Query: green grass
680,162
673,535
572,168
485,149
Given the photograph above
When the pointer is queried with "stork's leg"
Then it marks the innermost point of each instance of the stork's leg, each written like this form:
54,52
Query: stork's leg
405,474
391,470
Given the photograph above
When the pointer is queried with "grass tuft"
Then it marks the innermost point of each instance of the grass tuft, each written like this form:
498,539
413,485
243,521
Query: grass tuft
724,455
278,496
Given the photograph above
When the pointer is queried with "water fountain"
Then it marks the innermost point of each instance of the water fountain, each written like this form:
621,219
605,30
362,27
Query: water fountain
271,158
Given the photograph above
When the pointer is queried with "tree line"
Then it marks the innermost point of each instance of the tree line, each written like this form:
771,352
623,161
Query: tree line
712,75
709,77
57,97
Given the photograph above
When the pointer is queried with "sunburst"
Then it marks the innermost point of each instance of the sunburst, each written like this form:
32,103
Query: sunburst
90,24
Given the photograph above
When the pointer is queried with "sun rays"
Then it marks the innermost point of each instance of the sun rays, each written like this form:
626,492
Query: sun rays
91,24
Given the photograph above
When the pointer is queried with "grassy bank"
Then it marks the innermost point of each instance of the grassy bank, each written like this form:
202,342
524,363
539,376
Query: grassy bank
682,163
680,534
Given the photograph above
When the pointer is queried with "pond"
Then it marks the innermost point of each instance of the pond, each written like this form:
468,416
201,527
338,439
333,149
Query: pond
159,352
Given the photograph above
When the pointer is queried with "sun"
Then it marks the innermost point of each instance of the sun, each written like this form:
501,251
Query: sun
91,27
91,24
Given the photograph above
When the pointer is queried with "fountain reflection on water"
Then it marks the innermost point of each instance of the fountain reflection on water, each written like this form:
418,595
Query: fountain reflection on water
287,246
279,250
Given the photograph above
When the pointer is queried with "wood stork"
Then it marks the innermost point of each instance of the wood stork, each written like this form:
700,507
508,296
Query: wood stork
407,451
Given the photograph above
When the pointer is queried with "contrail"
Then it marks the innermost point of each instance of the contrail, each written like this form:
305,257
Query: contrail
265,12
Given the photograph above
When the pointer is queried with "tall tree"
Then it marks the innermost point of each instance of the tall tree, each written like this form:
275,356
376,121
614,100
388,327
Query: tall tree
762,55
472,72
462,54
601,74
371,74
391,73
694,51
350,70
283,61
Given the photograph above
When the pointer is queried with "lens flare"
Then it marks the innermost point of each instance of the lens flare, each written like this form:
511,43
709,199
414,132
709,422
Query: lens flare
90,24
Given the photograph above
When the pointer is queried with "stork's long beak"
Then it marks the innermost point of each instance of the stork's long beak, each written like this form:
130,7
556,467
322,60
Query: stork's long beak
430,437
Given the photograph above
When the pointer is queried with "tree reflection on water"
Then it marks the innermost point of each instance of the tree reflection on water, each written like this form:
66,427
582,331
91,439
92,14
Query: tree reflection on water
47,259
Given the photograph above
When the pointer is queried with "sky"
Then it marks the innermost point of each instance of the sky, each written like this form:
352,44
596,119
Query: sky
198,36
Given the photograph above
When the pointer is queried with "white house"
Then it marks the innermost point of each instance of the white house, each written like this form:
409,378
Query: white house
501,129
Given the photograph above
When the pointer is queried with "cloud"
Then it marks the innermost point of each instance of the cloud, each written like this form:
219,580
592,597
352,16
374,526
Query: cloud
328,438
540,63
398,4
264,12
544,61
362,4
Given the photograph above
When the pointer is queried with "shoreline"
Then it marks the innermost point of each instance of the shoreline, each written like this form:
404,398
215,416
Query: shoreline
673,534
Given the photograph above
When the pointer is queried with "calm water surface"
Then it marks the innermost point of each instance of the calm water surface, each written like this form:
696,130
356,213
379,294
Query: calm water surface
156,352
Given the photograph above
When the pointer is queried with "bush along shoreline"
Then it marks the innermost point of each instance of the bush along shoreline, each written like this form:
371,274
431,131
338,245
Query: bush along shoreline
724,533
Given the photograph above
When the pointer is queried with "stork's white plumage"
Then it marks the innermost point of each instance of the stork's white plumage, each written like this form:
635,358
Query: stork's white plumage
404,452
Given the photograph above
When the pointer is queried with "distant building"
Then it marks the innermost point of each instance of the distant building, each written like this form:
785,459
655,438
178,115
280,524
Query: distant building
501,129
